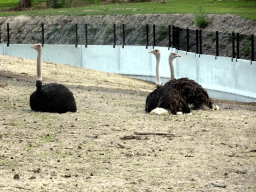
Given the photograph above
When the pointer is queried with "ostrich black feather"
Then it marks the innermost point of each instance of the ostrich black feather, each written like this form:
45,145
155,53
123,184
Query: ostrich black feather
191,91
167,98
52,98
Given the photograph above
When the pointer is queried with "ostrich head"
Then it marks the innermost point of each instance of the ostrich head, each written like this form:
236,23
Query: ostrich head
172,56
37,47
157,54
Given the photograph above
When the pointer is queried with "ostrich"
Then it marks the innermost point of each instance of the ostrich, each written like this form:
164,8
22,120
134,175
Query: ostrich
51,97
162,97
191,91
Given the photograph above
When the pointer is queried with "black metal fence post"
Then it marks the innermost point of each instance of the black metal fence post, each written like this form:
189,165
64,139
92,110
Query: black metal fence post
197,41
147,36
86,36
187,39
200,43
123,35
252,48
173,36
42,25
237,44
76,35
114,26
178,38
233,45
217,43
8,35
169,33
154,36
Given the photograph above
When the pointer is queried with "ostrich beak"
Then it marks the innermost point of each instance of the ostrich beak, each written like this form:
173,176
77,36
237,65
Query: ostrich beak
178,56
34,47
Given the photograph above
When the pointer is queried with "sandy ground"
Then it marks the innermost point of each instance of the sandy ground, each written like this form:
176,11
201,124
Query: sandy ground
99,147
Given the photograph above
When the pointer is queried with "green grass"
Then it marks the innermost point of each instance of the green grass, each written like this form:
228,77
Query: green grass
8,3
243,8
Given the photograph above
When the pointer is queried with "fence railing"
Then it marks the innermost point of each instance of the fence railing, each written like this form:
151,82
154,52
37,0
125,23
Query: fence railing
234,45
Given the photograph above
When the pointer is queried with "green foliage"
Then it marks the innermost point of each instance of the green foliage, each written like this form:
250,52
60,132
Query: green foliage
162,33
230,37
110,31
55,30
246,48
71,30
73,40
129,30
211,36
144,30
92,30
8,4
241,37
208,46
143,33
19,30
199,18
52,32
59,3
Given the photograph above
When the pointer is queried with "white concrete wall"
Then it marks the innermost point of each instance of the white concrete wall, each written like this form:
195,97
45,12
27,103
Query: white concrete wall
222,77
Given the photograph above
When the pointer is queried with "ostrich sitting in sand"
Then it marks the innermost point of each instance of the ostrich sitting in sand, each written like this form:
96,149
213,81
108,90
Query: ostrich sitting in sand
51,97
162,97
190,91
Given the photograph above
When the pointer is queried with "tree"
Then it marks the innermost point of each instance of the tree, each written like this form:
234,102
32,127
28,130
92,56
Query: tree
25,3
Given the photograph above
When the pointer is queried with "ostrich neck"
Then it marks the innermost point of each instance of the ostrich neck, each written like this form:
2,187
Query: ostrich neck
171,68
158,79
39,75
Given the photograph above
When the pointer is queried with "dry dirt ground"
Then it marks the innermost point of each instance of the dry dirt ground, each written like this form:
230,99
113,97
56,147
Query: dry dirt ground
99,147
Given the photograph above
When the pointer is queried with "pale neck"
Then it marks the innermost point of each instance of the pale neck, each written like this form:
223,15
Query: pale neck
39,75
158,79
171,68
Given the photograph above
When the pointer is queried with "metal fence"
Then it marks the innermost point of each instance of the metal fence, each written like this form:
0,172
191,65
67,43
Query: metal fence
234,45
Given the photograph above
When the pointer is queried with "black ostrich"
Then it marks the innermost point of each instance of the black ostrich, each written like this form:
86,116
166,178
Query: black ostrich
167,98
51,97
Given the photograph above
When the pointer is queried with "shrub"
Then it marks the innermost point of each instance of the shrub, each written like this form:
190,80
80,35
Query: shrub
58,3
199,19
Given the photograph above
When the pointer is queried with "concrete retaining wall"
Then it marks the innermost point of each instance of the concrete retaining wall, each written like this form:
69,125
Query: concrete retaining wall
222,77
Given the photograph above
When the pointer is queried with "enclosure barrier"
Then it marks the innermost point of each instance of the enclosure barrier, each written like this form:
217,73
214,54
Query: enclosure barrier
221,77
